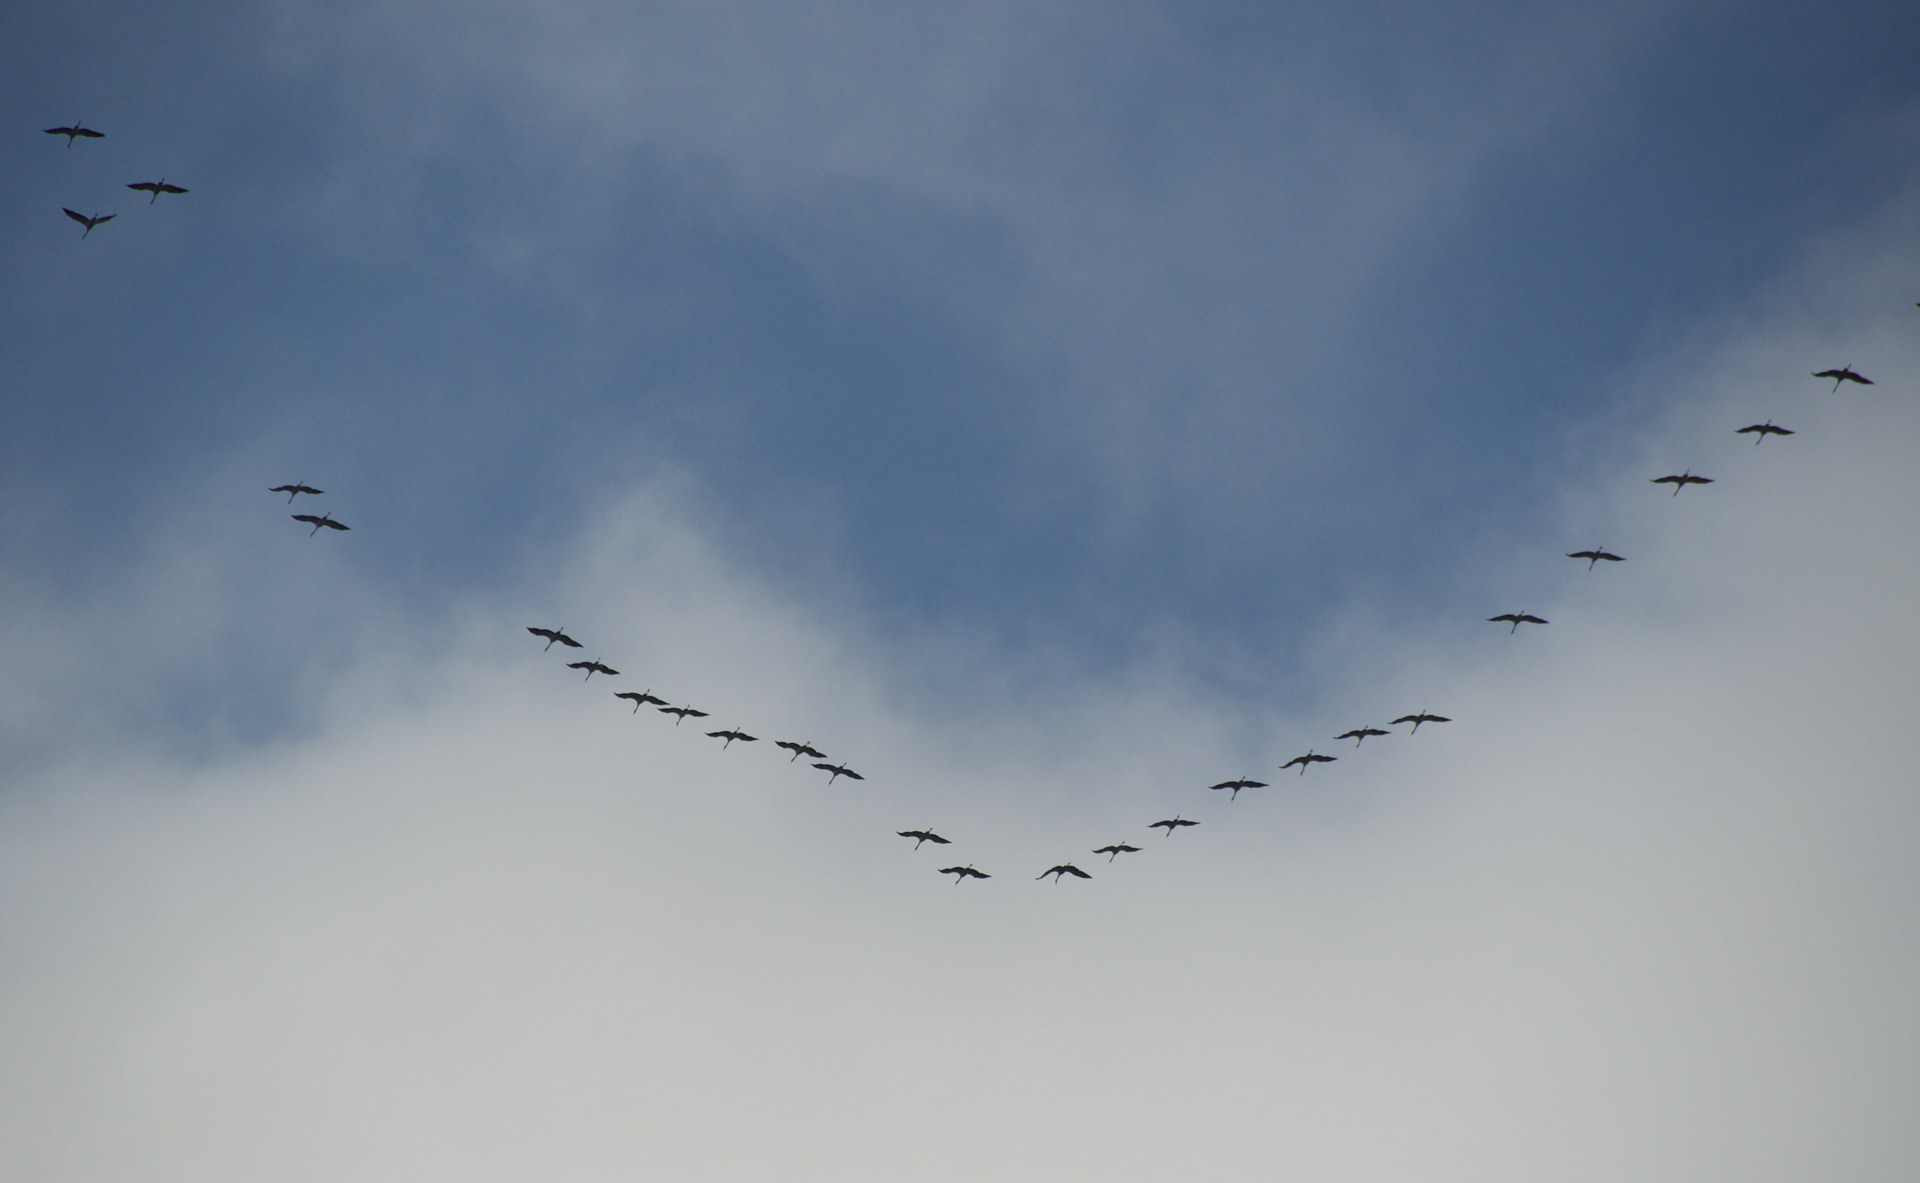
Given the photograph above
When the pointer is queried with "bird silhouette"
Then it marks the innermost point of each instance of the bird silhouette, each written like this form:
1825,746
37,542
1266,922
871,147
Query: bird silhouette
1843,374
88,222
680,714
592,668
1518,619
1117,849
799,749
961,874
76,130
1594,556
1170,825
1062,871
920,836
838,770
552,635
154,187
1236,786
1682,481
322,520
1359,734
293,490
1761,431
730,736
1311,757
639,698
1416,720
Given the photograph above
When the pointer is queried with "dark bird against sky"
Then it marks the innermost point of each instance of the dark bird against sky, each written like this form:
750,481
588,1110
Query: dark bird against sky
1170,825
1117,849
920,836
154,187
1236,786
1518,619
1761,431
552,635
88,222
592,668
1359,734
1682,481
1594,556
962,873
322,520
640,698
680,714
1843,374
293,490
76,130
729,736
799,750
1062,871
838,770
1312,757
1416,720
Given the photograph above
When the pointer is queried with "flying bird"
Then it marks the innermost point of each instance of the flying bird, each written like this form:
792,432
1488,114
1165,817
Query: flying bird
1170,825
76,130
1359,734
1236,786
920,836
1311,757
293,490
1682,481
592,668
1518,619
838,770
154,187
84,220
960,874
1843,374
552,635
799,749
681,714
1594,556
1416,720
1117,849
322,520
730,736
640,697
1062,871
1761,431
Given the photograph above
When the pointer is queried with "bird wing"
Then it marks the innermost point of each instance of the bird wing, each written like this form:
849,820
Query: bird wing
1405,719
936,839
146,186
1076,871
1504,618
1524,618
691,713
83,219
309,519
171,189
850,774
569,642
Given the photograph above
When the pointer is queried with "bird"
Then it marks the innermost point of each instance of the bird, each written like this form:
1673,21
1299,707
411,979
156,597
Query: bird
1062,871
1594,556
838,770
1843,374
961,874
76,130
1311,757
1359,734
555,634
154,187
1422,717
639,697
84,220
592,668
1170,825
729,736
681,714
799,749
1117,849
1682,481
1518,619
1762,431
920,836
322,520
293,490
1236,786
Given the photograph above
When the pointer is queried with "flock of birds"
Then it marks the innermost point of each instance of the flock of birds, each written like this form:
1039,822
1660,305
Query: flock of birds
74,131
838,770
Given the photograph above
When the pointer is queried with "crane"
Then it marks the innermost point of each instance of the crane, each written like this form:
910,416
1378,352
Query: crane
1236,786
962,874
1518,619
838,770
592,668
1843,374
1311,757
1359,734
555,635
322,520
1170,825
1416,720
88,222
920,836
293,490
1117,849
680,714
729,736
1682,481
799,749
640,698
154,187
76,130
1761,431
1062,871
1594,556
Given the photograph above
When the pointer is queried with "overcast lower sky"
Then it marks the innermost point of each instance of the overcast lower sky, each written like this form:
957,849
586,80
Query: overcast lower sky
1050,410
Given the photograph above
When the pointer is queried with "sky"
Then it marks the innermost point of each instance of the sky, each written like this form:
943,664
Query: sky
1049,410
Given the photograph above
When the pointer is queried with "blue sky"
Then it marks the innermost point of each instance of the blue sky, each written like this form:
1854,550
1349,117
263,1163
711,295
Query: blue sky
1051,408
